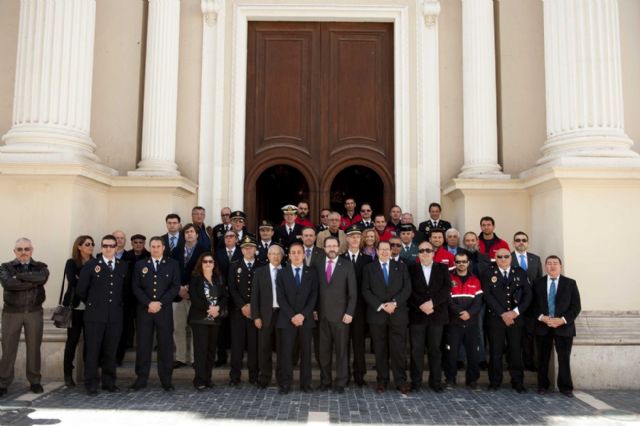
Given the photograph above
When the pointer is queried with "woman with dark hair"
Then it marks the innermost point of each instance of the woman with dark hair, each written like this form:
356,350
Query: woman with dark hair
81,253
208,306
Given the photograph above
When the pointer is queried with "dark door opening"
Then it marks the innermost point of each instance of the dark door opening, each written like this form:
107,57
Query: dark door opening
360,183
277,186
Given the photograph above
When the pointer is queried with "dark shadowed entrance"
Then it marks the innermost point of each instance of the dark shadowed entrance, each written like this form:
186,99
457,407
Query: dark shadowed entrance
277,186
357,182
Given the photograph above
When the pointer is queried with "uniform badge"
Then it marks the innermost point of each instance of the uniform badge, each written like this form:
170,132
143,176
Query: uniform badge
145,270
494,279
97,269
239,270
453,283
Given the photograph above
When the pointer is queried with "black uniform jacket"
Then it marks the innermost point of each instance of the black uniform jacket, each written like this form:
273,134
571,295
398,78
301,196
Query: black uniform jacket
240,282
438,291
161,286
101,290
502,294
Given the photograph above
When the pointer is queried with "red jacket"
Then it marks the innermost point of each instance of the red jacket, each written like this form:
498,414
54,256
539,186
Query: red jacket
465,296
386,234
443,256
345,222
497,245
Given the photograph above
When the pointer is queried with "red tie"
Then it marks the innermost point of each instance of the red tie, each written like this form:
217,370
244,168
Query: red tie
329,270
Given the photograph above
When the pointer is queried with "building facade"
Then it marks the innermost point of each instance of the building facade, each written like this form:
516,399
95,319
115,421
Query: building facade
115,113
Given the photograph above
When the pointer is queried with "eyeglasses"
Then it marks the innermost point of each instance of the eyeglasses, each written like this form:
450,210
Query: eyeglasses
425,250
504,256
365,210
324,215
461,262
25,249
108,246
520,240
90,244
207,261
395,245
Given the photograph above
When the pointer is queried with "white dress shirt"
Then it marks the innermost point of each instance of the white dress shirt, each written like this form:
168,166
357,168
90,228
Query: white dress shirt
274,273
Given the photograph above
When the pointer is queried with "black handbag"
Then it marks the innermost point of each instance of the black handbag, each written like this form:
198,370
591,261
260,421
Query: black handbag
62,314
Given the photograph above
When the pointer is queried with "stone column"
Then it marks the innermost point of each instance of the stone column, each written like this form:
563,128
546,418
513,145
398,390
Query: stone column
585,113
479,91
52,100
160,91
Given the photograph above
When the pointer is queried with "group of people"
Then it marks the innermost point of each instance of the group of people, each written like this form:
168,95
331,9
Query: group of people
301,289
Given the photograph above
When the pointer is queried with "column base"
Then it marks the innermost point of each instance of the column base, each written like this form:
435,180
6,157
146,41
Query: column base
588,148
155,168
482,171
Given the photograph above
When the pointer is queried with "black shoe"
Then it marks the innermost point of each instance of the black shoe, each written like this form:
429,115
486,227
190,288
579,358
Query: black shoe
542,391
306,389
201,388
404,389
416,387
220,363
178,364
3,392
68,381
360,382
234,382
261,385
567,393
520,388
137,386
210,385
450,384
338,389
483,365
472,385
437,388
531,367
168,388
323,388
460,365
36,388
493,388
92,392
112,388
283,390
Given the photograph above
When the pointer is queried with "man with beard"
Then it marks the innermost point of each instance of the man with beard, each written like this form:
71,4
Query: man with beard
436,238
395,219
488,242
303,214
350,217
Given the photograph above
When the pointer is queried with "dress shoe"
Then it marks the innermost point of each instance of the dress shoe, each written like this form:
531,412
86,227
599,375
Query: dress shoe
450,384
201,388
234,382
3,392
92,392
416,387
168,388
338,389
483,365
112,388
68,381
360,382
261,385
306,389
531,367
210,385
472,385
137,386
520,388
380,388
542,391
567,393
404,389
437,388
460,365
493,388
323,388
220,363
36,388
283,390
178,364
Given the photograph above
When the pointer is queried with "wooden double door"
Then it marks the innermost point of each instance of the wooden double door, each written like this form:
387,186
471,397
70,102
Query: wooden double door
319,102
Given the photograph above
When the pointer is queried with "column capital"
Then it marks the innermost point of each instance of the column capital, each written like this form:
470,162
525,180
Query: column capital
431,11
210,9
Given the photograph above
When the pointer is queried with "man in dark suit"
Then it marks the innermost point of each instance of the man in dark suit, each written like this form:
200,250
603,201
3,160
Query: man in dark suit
358,325
172,238
156,282
205,233
100,287
435,221
265,311
266,232
557,305
290,231
218,231
244,333
507,293
337,298
297,290
386,287
429,303
324,221
312,253
532,265
366,219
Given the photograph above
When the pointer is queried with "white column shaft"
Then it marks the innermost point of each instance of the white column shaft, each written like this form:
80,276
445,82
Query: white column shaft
160,90
585,113
52,100
479,91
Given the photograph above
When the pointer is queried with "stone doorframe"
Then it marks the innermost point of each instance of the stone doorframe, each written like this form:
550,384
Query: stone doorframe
223,107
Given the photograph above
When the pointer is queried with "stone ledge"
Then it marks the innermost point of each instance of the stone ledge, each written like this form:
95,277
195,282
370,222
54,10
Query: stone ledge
606,328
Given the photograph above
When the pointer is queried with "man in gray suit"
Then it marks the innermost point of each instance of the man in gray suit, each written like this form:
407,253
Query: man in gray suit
337,289
533,266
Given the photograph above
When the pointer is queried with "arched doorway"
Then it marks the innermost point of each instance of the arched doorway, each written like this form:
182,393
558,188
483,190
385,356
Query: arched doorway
277,186
358,182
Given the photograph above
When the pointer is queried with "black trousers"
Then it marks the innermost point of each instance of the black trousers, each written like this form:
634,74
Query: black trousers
357,335
563,346
430,336
288,336
223,340
205,338
101,340
499,333
467,336
162,324
244,334
390,340
128,329
73,338
334,335
265,350
528,342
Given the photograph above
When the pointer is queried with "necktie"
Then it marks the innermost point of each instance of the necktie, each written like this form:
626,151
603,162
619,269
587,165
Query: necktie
229,253
288,230
353,258
551,298
249,264
172,242
523,263
308,253
385,272
329,271
266,246
110,263
505,275
297,277
406,249
157,265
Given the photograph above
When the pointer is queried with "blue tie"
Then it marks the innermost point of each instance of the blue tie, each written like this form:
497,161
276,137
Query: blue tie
551,298
523,263
385,272
297,277
172,243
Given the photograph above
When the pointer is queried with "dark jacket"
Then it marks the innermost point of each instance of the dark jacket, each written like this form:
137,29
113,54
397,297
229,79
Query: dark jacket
340,295
262,295
102,290
240,283
375,292
223,262
466,295
503,295
161,286
186,268
23,289
567,305
295,300
199,303
362,261
438,291
72,275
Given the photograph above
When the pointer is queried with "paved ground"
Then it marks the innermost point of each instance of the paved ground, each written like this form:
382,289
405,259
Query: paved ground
247,405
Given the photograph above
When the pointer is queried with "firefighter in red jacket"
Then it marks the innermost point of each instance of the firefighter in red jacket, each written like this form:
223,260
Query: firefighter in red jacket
464,307
442,255
488,242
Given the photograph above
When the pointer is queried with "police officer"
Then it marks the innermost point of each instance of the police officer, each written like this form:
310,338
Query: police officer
507,293
243,330
266,231
290,231
219,230
156,282
101,287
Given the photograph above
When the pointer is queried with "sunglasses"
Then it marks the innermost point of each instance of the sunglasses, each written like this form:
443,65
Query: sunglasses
207,261
365,210
395,245
88,244
109,246
520,240
25,249
461,262
425,250
504,256
324,215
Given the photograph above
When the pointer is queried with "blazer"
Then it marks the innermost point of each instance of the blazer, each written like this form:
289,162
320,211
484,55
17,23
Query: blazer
240,282
199,303
286,239
262,295
340,295
567,305
409,256
438,291
187,268
502,294
72,275
102,290
161,286
534,265
342,238
167,246
376,292
316,255
295,300
426,227
223,262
